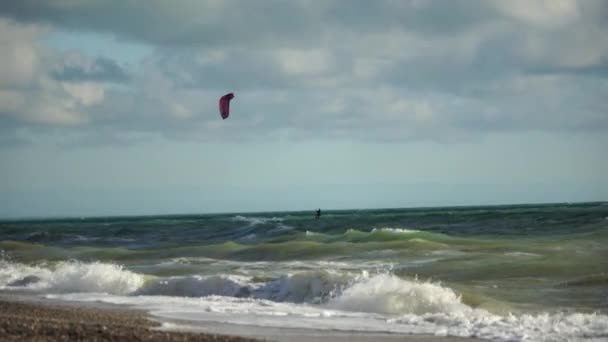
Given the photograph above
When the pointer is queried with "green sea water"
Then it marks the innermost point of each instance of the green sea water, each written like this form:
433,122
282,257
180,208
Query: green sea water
524,259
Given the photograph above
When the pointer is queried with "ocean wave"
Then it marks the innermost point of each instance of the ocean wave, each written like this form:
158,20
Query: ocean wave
352,301
197,286
382,303
256,220
78,277
70,238
353,291
395,230
14,274
313,286
300,287
51,236
375,235
521,254
600,279
388,235
70,276
389,294
307,286
280,228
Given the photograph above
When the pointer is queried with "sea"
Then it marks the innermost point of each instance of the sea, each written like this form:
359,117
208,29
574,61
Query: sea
501,273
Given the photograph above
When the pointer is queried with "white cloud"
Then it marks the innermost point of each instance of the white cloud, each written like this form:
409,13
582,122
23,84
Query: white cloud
546,14
19,54
86,94
304,61
28,93
180,111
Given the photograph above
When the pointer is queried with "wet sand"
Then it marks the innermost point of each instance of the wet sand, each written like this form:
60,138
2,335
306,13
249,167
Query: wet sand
30,320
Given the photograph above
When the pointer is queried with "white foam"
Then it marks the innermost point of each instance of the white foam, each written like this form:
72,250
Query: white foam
94,277
255,220
521,254
542,327
248,311
389,294
395,230
11,272
73,276
185,312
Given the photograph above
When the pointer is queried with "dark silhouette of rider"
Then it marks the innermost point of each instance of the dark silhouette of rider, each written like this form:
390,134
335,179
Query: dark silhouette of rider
318,214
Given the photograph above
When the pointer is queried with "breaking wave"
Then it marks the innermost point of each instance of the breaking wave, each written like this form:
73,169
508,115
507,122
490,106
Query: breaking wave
354,301
70,276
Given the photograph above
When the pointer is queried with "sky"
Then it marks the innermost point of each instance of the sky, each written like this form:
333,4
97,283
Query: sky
110,107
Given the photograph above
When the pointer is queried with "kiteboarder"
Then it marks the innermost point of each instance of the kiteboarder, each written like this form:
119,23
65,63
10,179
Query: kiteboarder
318,214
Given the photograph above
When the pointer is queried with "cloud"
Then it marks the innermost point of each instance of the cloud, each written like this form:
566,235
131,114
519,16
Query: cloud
19,55
309,70
29,95
189,22
98,70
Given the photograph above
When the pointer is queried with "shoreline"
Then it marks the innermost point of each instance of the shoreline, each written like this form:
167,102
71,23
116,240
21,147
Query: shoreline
30,318
44,321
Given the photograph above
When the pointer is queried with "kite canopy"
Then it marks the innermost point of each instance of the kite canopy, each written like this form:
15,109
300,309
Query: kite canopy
225,105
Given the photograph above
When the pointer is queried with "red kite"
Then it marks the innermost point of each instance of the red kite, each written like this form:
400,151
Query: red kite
225,105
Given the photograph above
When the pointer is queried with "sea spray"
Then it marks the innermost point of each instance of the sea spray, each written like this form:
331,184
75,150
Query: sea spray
72,276
389,294
12,274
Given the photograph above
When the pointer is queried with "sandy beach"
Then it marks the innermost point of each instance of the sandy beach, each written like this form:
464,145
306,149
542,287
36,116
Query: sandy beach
24,319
